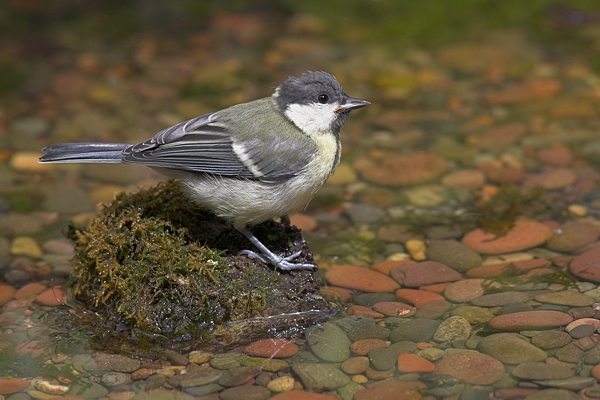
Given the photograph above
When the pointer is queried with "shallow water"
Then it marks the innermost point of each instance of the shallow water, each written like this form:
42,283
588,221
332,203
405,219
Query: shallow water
477,121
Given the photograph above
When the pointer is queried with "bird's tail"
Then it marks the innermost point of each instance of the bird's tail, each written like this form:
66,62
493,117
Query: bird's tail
84,153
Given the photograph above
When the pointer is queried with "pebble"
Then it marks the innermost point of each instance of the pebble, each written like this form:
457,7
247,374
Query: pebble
392,390
464,291
383,359
328,342
281,384
272,348
587,266
394,309
403,170
10,386
453,328
416,249
415,330
368,331
424,273
566,298
245,393
530,320
553,394
369,299
471,367
26,246
110,362
433,310
417,298
510,348
25,161
551,340
195,377
7,293
557,154
363,346
54,296
475,315
572,235
320,377
199,357
266,364
364,213
552,179
453,254
469,179
227,360
411,363
540,371
238,376
355,365
493,270
524,235
570,353
500,299
174,357
59,246
114,379
352,277
302,395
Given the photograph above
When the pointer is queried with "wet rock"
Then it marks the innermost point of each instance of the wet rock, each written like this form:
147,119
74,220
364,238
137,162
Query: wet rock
363,346
394,309
415,330
300,395
352,277
464,291
500,299
475,315
364,213
433,310
552,179
454,328
238,376
281,384
266,364
539,371
572,235
530,320
557,154
89,390
320,377
551,340
513,308
195,377
472,367
328,342
368,331
10,386
469,179
355,365
26,246
115,379
227,360
272,348
575,383
369,299
383,359
510,348
570,354
175,357
587,266
7,293
453,254
110,362
565,297
394,170
424,273
54,296
418,298
493,270
411,363
553,394
524,235
245,393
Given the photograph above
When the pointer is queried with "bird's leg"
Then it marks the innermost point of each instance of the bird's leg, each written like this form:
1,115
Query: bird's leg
268,257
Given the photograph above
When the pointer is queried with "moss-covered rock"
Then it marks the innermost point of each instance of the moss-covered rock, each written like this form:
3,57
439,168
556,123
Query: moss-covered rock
153,267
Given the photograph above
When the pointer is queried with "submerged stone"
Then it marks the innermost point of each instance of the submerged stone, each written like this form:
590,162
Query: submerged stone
156,269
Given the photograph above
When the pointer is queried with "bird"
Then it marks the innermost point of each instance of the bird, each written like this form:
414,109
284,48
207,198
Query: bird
248,163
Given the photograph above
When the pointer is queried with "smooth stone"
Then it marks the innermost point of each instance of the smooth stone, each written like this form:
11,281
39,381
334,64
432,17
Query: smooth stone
530,320
592,357
411,363
510,348
470,179
363,346
66,198
500,299
472,367
196,377
10,386
368,331
320,377
355,365
475,315
369,299
364,213
245,393
394,309
523,235
572,235
281,384
553,394
406,346
382,359
574,383
431,353
395,170
433,310
453,254
352,277
582,331
418,298
272,348
424,273
513,267
200,391
328,342
570,354
29,292
199,357
586,266
89,390
551,340
266,364
7,293
565,297
513,308
453,328
464,291
415,330
391,389
227,360
301,395
175,358
26,246
541,371
54,296
238,376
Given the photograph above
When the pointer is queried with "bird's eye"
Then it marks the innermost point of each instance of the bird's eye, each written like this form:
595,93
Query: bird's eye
323,98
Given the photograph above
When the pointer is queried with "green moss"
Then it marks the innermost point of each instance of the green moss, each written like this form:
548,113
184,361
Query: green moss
155,266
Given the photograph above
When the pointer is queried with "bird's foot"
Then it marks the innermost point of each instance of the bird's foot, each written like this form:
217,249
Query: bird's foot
283,263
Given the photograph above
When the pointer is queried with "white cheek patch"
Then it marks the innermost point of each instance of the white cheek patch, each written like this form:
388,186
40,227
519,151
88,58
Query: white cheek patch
312,119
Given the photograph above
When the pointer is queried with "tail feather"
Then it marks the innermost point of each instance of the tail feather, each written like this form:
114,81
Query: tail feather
84,153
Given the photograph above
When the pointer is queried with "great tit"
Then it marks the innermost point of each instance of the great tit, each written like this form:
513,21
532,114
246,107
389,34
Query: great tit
248,163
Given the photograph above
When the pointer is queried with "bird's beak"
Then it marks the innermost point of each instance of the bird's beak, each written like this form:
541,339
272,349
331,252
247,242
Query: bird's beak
351,103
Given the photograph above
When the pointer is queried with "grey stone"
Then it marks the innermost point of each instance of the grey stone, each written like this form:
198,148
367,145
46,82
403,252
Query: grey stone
510,348
575,383
238,376
415,330
500,299
111,362
328,342
454,328
453,254
364,213
227,360
369,299
245,393
541,371
553,394
551,339
382,359
115,378
175,358
320,377
368,331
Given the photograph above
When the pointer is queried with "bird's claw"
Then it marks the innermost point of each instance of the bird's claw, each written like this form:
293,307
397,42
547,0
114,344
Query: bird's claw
283,263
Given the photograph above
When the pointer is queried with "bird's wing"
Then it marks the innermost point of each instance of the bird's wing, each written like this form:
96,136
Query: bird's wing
238,142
